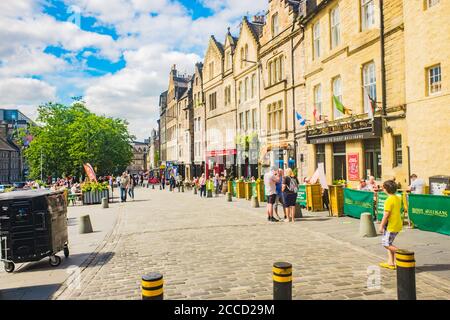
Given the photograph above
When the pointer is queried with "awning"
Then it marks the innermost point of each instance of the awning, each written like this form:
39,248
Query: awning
221,153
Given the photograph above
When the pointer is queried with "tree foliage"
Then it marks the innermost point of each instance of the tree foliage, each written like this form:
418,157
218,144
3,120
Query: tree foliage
69,136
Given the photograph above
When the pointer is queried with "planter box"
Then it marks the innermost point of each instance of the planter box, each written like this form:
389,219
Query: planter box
240,190
336,200
314,197
260,192
95,197
248,190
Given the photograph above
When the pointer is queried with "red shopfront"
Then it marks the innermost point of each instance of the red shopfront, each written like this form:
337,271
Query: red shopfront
221,162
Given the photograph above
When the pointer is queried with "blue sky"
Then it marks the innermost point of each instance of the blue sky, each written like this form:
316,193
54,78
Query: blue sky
116,54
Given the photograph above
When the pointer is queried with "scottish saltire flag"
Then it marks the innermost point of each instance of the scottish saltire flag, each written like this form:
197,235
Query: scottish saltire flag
299,118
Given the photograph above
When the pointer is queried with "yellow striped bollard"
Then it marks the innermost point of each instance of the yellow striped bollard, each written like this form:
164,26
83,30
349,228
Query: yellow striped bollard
152,286
406,275
282,281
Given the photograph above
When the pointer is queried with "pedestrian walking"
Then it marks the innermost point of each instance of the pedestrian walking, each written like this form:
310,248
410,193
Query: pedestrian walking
124,182
270,180
216,182
290,189
131,186
279,199
202,183
163,181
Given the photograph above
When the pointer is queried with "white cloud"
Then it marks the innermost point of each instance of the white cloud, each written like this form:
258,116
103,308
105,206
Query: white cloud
25,91
153,35
133,93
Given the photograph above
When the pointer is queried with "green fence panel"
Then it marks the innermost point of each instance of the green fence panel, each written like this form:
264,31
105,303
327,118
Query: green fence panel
301,195
430,212
254,193
382,196
357,202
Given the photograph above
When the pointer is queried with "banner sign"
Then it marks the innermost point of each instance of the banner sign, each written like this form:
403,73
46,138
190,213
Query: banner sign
430,212
357,202
234,188
353,166
90,172
301,195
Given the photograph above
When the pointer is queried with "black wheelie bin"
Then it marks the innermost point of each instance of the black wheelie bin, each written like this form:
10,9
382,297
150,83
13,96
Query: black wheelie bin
33,225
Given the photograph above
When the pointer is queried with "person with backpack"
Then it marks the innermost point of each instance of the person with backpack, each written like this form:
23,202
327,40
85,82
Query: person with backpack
290,189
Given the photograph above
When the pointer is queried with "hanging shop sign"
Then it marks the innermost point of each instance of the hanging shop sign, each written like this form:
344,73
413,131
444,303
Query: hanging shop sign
339,132
353,166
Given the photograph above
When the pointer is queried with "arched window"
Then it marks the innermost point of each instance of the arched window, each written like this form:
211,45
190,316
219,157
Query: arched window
242,57
247,87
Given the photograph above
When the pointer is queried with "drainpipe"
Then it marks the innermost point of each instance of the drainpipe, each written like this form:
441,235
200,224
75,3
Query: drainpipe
383,62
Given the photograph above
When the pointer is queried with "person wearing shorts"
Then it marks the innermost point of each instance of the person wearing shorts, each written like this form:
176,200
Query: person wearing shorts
290,188
270,180
392,223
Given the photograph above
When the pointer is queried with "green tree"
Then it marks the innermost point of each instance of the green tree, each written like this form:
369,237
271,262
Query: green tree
70,136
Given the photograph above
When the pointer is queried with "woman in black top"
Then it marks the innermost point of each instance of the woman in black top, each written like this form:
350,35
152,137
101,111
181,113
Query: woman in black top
289,188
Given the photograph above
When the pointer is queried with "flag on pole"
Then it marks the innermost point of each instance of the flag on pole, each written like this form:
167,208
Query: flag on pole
300,118
341,107
316,115
372,104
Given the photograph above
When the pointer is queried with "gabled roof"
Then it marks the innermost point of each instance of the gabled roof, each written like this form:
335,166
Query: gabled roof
217,44
6,146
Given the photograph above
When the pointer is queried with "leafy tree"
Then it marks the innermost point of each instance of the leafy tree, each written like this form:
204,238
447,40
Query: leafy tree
70,136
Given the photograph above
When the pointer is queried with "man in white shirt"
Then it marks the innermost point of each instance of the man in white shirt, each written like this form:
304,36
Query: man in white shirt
417,185
271,179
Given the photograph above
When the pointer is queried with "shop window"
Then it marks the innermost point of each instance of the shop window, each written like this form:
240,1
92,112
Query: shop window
398,156
339,162
372,158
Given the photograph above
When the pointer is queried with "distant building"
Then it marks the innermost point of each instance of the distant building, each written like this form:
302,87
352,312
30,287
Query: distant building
13,167
139,162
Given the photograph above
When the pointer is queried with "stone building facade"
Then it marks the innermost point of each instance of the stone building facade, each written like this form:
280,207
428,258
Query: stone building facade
281,87
338,82
247,79
427,95
344,65
220,118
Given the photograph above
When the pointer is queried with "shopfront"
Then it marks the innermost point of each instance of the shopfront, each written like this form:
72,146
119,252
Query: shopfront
221,162
350,150
278,155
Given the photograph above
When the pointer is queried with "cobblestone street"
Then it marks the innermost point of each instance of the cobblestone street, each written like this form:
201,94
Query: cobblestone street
212,249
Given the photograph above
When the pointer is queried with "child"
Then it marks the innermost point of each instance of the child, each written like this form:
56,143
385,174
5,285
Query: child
392,222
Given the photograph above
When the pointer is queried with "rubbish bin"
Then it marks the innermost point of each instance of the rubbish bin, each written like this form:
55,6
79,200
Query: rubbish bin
33,225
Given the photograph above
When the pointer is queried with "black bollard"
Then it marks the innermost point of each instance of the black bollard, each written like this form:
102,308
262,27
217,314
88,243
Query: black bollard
282,281
406,275
152,286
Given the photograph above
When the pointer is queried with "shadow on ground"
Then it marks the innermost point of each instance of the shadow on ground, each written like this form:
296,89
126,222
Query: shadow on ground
433,267
42,292
75,259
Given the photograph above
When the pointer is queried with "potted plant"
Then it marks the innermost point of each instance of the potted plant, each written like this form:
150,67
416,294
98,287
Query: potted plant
93,192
